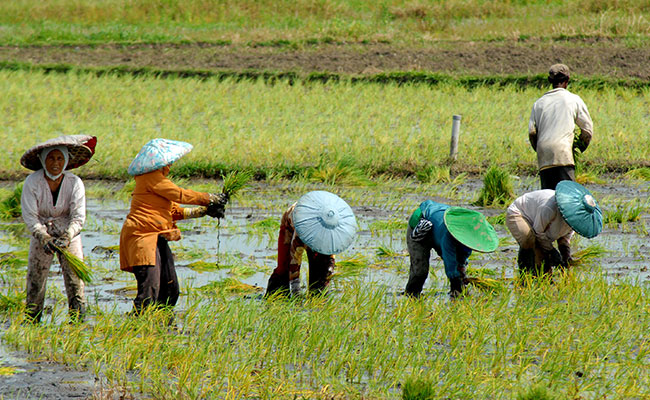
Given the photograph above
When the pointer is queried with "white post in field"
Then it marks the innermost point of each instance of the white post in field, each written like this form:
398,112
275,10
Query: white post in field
455,132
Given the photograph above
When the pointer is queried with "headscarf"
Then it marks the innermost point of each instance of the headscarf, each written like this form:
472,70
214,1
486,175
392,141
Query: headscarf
43,156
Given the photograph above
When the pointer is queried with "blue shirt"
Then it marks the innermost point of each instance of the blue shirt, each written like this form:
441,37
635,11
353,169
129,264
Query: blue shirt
452,252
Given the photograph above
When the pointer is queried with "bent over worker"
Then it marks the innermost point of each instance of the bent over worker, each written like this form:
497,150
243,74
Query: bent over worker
53,203
150,224
538,219
320,223
453,232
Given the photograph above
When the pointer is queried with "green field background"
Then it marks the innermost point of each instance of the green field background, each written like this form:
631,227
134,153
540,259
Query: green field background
286,128
246,21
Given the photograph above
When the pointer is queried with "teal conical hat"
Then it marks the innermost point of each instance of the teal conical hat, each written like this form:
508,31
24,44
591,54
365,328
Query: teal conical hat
579,208
471,228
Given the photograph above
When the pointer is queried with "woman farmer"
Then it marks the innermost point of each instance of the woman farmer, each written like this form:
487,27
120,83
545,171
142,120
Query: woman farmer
155,205
53,203
320,223
539,218
453,232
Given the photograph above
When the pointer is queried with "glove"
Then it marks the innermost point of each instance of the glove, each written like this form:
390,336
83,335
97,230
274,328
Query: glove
217,206
218,199
45,240
552,258
294,287
63,241
194,212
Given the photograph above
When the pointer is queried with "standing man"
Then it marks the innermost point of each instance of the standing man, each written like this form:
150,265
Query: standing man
551,126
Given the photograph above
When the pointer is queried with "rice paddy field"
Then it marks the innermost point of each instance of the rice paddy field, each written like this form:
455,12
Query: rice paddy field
341,96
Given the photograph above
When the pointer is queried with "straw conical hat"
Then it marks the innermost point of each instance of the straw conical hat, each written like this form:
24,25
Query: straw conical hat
157,153
324,222
579,208
471,228
80,150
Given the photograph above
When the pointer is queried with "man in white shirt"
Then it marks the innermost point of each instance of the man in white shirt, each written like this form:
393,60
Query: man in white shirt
550,129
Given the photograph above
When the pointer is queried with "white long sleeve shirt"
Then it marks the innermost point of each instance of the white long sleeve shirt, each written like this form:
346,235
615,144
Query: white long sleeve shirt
552,120
40,215
540,210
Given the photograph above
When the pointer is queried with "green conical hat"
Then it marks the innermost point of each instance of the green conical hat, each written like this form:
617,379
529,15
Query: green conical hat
471,229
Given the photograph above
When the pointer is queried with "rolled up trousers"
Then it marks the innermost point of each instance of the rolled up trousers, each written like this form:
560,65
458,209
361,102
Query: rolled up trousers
38,268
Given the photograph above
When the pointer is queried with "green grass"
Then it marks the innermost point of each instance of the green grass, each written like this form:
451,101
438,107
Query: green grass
497,188
294,129
310,22
10,207
579,336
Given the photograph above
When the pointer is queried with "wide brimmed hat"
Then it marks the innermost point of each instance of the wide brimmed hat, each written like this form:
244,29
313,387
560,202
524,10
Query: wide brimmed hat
471,228
324,222
80,150
579,208
158,153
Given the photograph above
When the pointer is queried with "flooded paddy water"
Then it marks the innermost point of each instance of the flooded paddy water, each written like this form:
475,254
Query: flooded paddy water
240,251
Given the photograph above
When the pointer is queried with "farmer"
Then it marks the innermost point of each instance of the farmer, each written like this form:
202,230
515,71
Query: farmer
320,223
53,203
551,125
150,223
539,218
452,232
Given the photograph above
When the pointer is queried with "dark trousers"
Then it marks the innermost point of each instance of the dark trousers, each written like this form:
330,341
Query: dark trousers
550,177
321,268
157,284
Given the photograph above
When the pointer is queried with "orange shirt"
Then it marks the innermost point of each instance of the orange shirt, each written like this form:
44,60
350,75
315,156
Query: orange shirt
154,208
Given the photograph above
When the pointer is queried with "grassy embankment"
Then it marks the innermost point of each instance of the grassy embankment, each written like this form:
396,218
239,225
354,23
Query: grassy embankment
306,22
324,132
579,337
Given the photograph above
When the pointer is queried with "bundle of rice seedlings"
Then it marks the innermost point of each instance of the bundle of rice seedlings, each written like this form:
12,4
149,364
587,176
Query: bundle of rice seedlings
587,255
235,181
76,264
485,284
230,286
497,188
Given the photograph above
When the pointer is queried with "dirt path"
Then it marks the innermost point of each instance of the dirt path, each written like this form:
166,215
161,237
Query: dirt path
586,58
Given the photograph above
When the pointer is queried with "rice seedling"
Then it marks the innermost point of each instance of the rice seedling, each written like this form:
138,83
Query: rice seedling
386,251
350,267
639,174
418,389
485,284
205,266
623,212
230,286
12,302
395,224
243,270
588,255
499,219
497,188
234,182
76,264
434,174
10,205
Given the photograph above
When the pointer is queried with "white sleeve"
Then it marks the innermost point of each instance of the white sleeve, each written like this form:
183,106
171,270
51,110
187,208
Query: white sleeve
540,225
583,119
77,208
29,206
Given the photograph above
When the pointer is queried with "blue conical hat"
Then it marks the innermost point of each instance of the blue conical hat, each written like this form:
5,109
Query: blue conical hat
579,208
158,153
324,222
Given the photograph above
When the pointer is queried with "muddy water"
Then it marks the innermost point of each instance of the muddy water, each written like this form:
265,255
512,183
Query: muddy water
240,243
